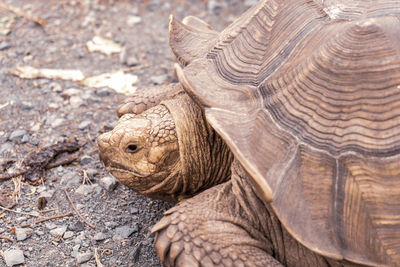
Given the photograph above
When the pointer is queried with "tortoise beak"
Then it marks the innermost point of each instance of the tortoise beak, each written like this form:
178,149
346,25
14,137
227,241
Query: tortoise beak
104,145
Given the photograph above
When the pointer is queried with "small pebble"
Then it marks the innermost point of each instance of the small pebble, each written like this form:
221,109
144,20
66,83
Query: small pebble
86,160
58,231
108,183
132,20
68,93
55,87
21,234
158,79
84,124
84,190
68,234
103,92
17,134
83,257
26,105
135,253
100,236
57,122
71,178
25,138
77,226
13,257
76,101
134,211
124,232
4,46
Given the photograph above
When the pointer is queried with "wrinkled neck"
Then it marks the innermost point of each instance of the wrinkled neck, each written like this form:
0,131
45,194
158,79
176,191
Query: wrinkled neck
205,159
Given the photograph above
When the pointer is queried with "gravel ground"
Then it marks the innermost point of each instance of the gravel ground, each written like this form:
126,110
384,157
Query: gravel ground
36,113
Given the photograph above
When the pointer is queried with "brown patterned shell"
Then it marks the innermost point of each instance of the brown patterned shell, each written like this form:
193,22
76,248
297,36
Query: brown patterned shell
307,95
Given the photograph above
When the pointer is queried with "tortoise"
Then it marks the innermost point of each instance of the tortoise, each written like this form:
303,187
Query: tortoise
281,141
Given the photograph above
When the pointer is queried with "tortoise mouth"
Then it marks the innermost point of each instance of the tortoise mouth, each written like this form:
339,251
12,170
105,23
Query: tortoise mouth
122,169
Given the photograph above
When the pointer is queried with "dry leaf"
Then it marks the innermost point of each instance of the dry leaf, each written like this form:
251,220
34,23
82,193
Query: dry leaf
28,72
119,81
105,46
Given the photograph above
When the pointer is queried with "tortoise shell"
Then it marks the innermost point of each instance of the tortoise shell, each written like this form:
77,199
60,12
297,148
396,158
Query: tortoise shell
307,96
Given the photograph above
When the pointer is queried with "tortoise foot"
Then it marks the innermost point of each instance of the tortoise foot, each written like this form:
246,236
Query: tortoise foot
201,232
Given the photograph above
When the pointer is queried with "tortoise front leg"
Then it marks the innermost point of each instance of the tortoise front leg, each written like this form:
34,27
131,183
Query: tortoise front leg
210,229
146,98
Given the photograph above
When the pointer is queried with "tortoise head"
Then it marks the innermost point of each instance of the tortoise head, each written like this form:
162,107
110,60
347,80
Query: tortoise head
167,152
142,151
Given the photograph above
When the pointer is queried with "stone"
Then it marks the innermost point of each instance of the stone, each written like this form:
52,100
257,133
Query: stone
76,101
158,79
83,257
92,172
78,226
85,160
17,134
100,236
39,232
55,87
71,178
135,253
21,234
47,193
13,257
26,105
53,106
25,138
75,250
132,61
68,234
4,46
84,125
108,183
250,2
123,232
104,92
59,231
134,210
6,149
57,122
35,127
132,20
68,93
215,5
84,190
80,239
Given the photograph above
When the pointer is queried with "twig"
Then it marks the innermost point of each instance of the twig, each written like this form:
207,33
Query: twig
49,210
63,161
12,175
139,67
77,212
97,258
6,238
48,218
19,212
24,14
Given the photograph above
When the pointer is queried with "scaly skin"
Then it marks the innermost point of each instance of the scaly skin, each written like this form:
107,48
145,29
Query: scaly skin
167,152
228,225
147,98
170,152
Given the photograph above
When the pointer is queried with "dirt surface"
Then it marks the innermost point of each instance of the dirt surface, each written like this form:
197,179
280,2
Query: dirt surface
37,113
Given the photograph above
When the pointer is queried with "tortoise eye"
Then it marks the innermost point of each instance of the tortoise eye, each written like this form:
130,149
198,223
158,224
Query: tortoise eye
131,148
